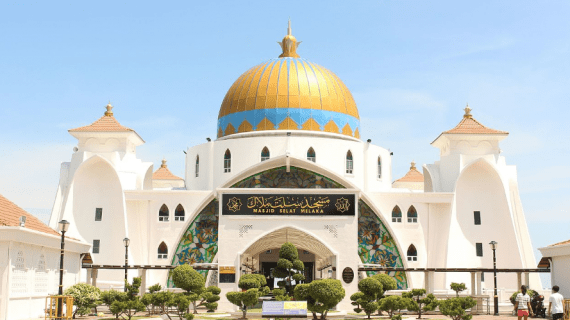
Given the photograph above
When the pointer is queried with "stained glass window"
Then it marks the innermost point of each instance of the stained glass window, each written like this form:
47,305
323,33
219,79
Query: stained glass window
311,155
412,253
162,251
349,164
396,214
163,213
179,213
412,215
264,154
228,161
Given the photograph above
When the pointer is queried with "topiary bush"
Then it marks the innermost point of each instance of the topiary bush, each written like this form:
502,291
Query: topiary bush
371,291
419,304
289,267
455,308
458,287
85,298
321,295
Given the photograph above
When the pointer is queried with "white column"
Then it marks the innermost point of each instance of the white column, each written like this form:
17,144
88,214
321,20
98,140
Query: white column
479,283
527,279
472,283
429,289
519,280
142,275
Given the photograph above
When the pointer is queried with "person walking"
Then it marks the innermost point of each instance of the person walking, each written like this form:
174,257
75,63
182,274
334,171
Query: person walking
522,304
556,304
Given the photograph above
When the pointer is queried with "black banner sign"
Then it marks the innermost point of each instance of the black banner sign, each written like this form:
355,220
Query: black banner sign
289,204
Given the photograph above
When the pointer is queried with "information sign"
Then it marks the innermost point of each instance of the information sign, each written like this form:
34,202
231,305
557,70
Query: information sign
284,309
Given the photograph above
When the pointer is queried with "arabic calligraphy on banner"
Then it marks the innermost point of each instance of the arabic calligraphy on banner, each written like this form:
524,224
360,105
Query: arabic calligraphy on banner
289,204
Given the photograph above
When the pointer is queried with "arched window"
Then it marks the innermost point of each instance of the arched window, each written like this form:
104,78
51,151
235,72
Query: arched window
228,161
396,214
264,154
311,155
197,166
163,213
179,213
412,215
412,253
379,168
349,165
162,251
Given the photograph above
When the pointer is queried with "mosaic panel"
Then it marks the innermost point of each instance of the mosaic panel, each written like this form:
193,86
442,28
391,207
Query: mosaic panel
199,244
280,178
376,245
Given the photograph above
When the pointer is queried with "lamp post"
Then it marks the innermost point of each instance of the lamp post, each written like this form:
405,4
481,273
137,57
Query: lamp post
63,227
126,242
494,245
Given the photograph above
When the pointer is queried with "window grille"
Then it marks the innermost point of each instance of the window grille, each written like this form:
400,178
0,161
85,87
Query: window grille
311,155
379,168
479,248
349,163
396,214
96,245
98,214
163,251
163,213
477,217
19,275
264,154
197,169
412,215
227,161
179,213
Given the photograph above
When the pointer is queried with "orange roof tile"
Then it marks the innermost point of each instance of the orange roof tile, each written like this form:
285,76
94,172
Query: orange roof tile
470,125
412,176
560,243
106,123
163,173
10,215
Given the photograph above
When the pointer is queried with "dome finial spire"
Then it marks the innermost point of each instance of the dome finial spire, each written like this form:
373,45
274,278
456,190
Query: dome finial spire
109,111
467,112
289,44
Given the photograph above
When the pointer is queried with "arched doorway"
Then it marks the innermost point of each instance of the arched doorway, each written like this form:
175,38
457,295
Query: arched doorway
261,256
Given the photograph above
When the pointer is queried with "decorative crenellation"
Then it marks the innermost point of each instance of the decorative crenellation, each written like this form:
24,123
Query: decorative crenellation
244,228
332,229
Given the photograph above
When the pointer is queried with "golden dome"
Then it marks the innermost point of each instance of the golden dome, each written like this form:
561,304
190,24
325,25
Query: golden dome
288,93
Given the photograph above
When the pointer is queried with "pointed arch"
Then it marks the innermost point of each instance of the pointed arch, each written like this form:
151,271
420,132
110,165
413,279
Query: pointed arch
197,167
379,167
412,215
311,155
412,253
227,161
396,214
179,213
349,163
163,213
162,251
264,154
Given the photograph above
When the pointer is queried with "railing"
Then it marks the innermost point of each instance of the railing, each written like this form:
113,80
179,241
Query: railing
567,309
53,303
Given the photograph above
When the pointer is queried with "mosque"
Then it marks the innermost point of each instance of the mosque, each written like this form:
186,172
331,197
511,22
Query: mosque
288,164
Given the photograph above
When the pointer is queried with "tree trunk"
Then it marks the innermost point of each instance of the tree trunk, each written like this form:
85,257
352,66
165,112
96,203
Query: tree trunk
324,315
194,304
244,312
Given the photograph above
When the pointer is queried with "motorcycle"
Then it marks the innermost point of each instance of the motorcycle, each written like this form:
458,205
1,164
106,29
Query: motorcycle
537,304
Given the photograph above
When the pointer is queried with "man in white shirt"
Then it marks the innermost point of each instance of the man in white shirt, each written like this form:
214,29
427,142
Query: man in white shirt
555,304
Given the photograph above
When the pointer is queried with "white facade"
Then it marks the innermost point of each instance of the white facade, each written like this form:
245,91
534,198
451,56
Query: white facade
470,176
559,257
29,270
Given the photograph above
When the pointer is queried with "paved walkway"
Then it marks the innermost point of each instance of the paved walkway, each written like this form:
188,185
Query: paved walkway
475,317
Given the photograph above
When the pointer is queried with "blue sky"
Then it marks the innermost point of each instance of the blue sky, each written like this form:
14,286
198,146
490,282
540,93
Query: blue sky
410,65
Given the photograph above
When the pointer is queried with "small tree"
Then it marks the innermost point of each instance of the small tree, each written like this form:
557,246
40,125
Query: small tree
455,307
128,303
85,297
255,286
321,295
154,288
110,296
372,291
388,283
181,305
191,281
458,287
391,304
289,267
356,298
419,304
210,297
